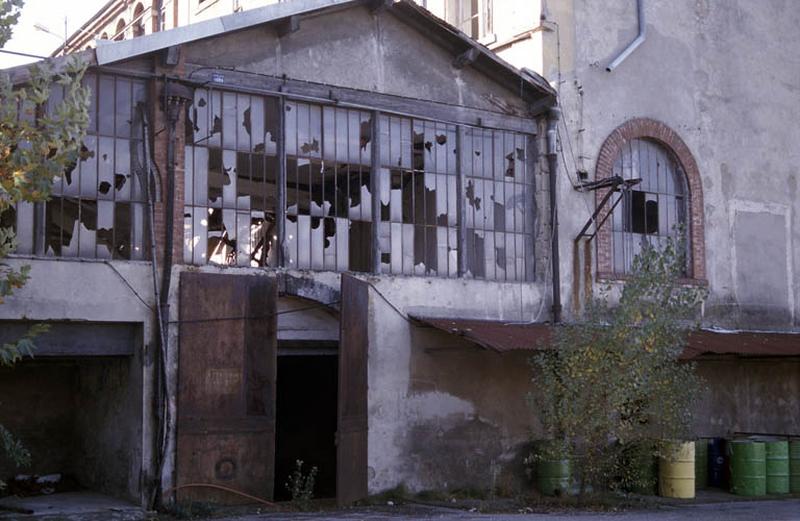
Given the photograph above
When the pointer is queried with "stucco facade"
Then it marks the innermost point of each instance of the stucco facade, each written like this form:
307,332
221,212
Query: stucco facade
708,85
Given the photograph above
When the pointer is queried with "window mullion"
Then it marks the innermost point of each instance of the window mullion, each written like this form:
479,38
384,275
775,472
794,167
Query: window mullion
375,188
461,207
280,210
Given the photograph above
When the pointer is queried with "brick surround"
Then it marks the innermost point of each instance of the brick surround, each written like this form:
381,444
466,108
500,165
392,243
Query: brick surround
610,150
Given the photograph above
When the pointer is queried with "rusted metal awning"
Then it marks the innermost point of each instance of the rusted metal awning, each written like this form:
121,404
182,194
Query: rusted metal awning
503,336
500,336
742,343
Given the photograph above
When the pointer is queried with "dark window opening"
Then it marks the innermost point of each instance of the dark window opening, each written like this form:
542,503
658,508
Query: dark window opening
643,213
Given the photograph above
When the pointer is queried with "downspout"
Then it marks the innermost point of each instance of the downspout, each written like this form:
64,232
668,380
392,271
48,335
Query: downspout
636,41
552,165
171,110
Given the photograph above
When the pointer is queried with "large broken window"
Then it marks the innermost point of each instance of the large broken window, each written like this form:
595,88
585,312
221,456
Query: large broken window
233,190
230,179
655,209
98,205
419,214
328,197
499,205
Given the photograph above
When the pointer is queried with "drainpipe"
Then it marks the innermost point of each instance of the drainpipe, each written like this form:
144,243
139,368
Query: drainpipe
636,41
552,165
175,96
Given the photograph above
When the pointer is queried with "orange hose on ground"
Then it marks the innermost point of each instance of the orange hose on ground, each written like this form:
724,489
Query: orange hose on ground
223,488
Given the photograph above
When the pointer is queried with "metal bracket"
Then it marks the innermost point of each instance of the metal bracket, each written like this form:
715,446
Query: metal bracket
617,184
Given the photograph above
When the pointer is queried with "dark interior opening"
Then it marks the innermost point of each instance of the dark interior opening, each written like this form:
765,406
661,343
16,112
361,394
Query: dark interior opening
305,421
78,418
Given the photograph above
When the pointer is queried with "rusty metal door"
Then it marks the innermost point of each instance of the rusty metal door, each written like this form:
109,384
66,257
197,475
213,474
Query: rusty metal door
351,435
226,385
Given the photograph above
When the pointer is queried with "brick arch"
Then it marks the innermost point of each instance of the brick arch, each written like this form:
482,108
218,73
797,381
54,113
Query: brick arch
645,128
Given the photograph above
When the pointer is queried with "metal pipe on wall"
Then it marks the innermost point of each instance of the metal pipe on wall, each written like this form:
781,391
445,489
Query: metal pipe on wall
640,38
552,165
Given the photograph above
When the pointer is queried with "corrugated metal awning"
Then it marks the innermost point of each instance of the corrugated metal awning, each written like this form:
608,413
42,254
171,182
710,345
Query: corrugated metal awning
500,336
742,343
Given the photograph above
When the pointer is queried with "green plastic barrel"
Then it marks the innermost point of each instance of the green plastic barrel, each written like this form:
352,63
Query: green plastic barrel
794,466
748,468
700,463
553,477
777,455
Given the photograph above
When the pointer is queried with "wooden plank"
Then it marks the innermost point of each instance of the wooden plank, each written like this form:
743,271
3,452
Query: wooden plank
226,385
320,93
351,436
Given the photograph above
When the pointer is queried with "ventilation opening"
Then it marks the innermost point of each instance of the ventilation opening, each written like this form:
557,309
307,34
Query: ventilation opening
305,426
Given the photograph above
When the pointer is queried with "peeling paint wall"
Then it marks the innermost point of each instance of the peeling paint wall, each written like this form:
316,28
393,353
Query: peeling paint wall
756,396
442,412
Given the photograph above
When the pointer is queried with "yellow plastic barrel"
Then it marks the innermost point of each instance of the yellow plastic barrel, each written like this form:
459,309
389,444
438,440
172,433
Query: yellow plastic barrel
676,470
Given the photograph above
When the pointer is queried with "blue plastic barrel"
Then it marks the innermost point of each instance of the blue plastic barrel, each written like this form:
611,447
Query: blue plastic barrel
717,463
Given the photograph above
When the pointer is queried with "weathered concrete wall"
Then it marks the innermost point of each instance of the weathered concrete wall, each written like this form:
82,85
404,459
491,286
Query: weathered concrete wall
757,396
716,74
357,49
443,413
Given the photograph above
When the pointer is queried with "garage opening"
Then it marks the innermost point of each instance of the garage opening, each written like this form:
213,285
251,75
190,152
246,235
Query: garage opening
76,406
306,410
77,418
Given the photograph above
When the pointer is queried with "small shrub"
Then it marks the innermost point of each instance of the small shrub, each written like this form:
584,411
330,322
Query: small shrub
301,486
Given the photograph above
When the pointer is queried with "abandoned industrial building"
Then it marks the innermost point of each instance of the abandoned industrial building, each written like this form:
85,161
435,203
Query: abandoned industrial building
328,230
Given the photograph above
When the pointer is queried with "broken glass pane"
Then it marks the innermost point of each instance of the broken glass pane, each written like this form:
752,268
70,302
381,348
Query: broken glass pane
229,117
106,106
88,229
105,229
123,104
105,170
122,231
122,170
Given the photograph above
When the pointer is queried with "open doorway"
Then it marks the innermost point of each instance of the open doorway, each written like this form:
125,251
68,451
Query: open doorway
306,415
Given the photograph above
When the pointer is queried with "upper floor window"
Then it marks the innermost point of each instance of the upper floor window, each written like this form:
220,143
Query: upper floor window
473,17
652,210
119,32
138,20
667,200
97,207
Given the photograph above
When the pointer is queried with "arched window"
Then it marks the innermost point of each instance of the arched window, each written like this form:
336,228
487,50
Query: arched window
669,197
119,32
652,210
138,20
